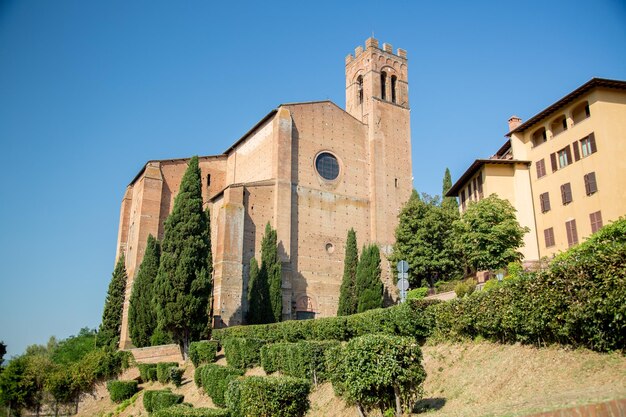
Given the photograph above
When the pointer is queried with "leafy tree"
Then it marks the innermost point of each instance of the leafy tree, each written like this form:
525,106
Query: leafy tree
425,239
14,390
369,287
74,348
257,294
347,296
142,320
489,235
449,203
111,326
183,284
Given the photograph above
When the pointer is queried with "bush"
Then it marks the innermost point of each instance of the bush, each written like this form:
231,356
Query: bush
176,376
197,376
121,390
163,371
464,288
186,411
375,370
417,293
303,359
154,400
215,380
242,353
258,396
204,351
147,371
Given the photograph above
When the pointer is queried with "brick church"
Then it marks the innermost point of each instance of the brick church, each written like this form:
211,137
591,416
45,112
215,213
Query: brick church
313,171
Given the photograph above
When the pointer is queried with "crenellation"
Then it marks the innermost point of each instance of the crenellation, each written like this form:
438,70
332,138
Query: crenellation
387,48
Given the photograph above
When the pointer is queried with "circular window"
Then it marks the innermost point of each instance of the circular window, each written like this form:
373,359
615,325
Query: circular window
327,166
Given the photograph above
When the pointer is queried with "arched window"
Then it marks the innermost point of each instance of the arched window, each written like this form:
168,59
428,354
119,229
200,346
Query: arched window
383,85
581,112
359,87
393,88
539,137
558,125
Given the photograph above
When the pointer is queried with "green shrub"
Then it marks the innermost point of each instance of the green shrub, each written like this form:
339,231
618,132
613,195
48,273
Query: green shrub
215,379
242,353
446,286
258,396
197,376
491,284
464,288
204,351
303,359
417,293
121,390
372,370
176,376
186,411
147,371
154,400
163,371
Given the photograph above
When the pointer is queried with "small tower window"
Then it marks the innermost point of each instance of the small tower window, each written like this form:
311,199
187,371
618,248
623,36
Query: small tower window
208,180
383,85
393,88
359,86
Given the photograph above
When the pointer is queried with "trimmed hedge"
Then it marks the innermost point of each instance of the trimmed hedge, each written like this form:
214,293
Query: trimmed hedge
148,371
214,380
186,411
204,351
303,359
121,390
259,396
154,400
242,353
387,320
163,372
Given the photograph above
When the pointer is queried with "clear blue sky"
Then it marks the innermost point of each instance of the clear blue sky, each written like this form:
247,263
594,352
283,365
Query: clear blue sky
91,90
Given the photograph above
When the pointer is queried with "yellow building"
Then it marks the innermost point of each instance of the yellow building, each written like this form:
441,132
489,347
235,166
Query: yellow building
564,170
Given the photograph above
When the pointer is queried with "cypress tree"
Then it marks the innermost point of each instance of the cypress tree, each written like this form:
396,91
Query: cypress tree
271,270
183,284
256,294
369,287
347,295
448,203
111,326
142,319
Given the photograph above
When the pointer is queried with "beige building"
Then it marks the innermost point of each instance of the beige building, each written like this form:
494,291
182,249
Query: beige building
564,170
313,171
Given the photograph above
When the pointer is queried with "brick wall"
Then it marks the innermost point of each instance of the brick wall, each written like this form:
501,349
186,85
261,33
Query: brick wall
154,354
615,408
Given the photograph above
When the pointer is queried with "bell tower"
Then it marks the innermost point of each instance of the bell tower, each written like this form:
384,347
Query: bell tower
377,94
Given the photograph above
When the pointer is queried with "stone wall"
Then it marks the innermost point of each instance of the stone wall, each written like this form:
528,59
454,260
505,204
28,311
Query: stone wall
154,354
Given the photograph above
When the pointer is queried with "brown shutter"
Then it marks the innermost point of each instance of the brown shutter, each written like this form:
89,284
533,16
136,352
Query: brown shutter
547,201
590,183
568,152
566,193
553,161
592,141
576,151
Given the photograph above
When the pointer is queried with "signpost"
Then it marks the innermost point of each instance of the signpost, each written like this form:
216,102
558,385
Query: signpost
403,279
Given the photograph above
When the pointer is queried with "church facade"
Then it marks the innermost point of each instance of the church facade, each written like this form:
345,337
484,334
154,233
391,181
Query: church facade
313,171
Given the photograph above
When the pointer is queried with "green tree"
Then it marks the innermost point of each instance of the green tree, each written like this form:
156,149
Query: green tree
271,270
369,287
448,203
3,351
74,348
183,284
347,296
489,235
111,326
257,294
14,389
142,320
425,239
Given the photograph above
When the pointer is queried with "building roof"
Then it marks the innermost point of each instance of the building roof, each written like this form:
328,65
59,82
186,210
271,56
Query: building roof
589,85
475,167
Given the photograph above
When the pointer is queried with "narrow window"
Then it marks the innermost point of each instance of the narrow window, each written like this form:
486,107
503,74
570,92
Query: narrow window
581,112
576,151
475,188
469,191
480,186
544,201
463,199
590,183
588,145
565,157
359,86
549,236
393,88
383,85
572,234
566,193
539,137
553,162
559,125
541,168
596,221
208,180
396,183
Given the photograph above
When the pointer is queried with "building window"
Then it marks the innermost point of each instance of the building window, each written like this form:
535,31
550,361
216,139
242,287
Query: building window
565,157
541,168
469,191
383,85
463,199
396,182
476,188
548,234
590,183
394,79
359,86
596,221
327,166
208,180
581,112
480,186
566,193
539,137
588,145
572,234
559,125
544,202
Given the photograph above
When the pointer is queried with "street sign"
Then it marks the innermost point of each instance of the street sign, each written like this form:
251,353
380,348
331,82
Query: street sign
403,284
403,267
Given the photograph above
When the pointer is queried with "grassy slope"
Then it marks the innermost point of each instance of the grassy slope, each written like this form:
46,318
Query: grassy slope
468,379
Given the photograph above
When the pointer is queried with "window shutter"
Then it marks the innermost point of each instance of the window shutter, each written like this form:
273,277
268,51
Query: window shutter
553,161
547,201
568,152
563,194
592,141
590,183
576,151
586,177
566,193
